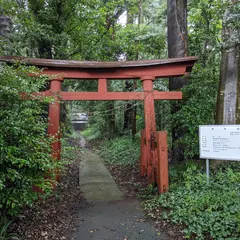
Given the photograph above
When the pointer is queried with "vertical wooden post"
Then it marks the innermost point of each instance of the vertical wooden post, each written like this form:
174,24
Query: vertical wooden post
102,85
54,119
143,163
150,128
162,179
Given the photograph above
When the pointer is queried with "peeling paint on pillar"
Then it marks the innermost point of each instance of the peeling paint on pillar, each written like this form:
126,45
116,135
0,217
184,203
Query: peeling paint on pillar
150,127
54,120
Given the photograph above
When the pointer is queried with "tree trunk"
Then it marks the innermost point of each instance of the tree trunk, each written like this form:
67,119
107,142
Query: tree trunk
5,30
128,111
5,25
228,100
131,111
111,123
45,49
134,112
177,36
140,10
177,47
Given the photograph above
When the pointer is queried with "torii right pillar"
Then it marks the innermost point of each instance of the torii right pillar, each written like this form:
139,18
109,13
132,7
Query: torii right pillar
154,152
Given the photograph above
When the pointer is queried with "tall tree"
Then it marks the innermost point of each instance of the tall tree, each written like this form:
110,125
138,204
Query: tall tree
130,85
177,47
177,36
228,101
5,30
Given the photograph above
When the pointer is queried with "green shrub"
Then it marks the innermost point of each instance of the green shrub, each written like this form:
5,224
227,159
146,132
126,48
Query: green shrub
92,133
197,108
25,150
4,225
205,209
122,150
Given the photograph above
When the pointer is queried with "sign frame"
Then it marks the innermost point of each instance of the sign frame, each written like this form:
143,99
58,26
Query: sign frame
217,157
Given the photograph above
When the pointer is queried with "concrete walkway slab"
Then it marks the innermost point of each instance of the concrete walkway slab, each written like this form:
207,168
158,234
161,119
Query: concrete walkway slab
119,220
95,181
108,216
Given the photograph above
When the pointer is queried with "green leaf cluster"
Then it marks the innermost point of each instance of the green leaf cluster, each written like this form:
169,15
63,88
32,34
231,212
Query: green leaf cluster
198,107
121,151
205,209
25,156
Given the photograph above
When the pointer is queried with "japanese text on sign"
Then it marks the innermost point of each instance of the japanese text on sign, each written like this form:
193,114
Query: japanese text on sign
220,142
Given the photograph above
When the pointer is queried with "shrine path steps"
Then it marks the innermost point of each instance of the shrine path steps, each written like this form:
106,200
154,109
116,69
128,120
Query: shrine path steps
108,216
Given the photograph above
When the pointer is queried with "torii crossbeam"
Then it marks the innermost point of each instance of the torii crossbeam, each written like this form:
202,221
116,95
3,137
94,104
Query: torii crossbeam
154,157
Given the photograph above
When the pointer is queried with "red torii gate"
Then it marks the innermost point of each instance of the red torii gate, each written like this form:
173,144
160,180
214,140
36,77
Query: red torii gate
154,154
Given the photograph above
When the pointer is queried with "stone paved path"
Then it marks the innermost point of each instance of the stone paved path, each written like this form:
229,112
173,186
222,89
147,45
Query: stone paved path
95,181
108,216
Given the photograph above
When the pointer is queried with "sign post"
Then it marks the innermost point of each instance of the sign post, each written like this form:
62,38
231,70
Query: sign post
219,142
207,169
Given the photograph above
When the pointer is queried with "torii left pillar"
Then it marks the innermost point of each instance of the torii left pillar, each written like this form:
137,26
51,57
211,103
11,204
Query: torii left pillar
150,128
54,119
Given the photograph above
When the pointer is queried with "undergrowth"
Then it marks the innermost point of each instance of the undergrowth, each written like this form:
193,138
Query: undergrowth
121,150
4,225
91,133
206,209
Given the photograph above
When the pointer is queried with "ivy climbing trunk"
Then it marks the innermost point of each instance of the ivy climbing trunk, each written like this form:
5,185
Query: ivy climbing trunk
177,47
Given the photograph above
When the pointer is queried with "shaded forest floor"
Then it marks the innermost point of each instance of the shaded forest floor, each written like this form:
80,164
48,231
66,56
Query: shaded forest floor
57,216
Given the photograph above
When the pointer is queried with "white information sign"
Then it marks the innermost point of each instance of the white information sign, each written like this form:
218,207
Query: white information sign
220,142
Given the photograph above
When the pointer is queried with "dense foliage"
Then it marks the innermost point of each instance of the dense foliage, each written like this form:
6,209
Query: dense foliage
92,30
206,209
121,151
25,150
197,109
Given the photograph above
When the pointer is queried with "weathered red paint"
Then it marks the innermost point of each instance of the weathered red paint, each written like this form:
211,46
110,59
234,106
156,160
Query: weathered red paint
143,159
103,95
150,163
102,85
154,156
162,174
170,70
150,127
54,119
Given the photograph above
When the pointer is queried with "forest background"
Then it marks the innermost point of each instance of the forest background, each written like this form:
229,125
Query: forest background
104,30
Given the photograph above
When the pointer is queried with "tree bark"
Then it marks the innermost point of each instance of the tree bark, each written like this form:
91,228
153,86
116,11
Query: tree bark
128,111
5,25
5,34
177,36
131,111
228,100
177,47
